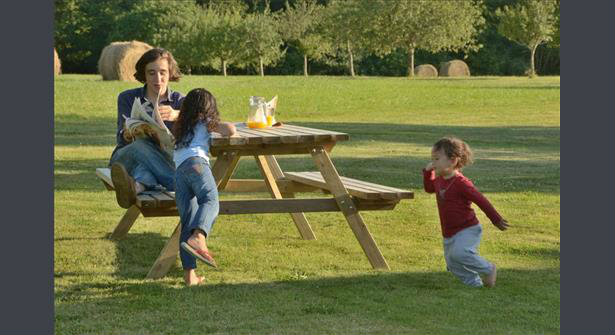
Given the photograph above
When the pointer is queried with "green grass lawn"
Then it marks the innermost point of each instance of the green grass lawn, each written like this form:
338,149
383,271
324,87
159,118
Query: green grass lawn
270,281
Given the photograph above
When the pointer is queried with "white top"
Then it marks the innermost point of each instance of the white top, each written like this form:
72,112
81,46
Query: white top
198,146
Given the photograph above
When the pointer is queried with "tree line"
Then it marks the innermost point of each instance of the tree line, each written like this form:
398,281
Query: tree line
367,37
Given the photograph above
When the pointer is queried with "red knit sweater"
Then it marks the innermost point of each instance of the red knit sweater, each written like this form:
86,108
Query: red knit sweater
454,197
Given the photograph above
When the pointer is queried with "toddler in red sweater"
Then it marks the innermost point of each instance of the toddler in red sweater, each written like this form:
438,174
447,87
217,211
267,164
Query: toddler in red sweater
460,228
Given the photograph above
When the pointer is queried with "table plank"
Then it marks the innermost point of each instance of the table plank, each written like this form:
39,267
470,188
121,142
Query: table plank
274,135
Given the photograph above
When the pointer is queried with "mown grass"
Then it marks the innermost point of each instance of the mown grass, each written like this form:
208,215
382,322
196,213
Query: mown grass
272,282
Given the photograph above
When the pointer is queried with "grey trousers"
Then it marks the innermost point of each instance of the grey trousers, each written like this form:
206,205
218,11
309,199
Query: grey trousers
462,258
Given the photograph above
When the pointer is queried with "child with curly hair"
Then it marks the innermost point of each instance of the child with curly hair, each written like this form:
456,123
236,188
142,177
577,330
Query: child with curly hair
461,229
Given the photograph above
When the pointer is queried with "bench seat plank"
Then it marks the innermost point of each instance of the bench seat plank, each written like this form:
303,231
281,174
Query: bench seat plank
357,188
150,201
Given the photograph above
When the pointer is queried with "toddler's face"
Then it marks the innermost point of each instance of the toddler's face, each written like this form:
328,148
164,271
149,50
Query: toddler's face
443,165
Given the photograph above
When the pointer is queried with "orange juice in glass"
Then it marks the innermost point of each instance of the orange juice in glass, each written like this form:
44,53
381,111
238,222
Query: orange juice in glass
257,124
256,116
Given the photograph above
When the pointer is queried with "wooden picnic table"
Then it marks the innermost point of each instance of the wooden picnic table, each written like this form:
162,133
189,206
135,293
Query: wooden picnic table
349,196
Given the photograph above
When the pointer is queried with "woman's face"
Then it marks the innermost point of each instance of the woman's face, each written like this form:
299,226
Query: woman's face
157,76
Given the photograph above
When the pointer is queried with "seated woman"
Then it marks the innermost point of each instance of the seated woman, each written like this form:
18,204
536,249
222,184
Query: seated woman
141,165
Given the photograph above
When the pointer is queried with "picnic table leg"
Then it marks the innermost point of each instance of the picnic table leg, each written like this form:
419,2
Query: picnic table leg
167,256
271,172
126,222
348,208
224,167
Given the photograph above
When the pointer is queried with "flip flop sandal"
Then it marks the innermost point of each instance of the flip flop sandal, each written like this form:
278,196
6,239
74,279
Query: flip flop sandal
200,254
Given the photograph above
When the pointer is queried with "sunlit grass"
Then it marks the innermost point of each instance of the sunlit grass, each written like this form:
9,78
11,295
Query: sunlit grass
270,280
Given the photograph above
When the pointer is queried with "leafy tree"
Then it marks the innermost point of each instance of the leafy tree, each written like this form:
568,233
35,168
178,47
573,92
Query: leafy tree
262,41
81,29
428,25
223,36
181,35
529,23
300,27
170,25
555,40
344,25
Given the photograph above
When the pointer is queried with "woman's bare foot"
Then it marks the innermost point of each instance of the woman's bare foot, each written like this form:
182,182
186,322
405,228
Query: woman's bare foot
490,278
191,279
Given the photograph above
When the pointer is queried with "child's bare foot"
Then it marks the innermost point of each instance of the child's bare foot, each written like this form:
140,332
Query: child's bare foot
490,279
191,279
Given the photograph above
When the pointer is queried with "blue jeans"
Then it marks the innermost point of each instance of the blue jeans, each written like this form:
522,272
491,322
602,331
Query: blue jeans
462,258
147,164
196,195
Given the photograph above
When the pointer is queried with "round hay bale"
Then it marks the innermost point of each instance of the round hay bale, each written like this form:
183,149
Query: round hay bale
57,66
117,60
454,68
425,70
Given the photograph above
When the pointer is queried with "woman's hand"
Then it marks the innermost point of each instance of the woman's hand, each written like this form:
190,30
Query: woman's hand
167,113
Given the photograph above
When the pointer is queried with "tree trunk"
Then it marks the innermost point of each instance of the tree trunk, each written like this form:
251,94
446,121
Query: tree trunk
350,59
411,62
260,60
532,66
223,61
305,70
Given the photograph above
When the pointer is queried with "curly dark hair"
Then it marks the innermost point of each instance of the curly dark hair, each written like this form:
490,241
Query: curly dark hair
455,148
198,105
153,55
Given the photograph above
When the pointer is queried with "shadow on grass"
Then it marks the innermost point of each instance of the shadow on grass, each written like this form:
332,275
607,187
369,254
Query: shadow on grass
78,175
525,301
76,130
546,87
137,252
542,252
526,138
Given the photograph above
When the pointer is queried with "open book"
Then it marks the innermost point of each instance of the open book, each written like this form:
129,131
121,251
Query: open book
140,124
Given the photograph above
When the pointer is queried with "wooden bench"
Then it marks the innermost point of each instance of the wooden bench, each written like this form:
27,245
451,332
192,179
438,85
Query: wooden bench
368,196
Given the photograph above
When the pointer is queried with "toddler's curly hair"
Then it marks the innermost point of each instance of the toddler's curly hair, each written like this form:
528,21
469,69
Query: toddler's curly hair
455,148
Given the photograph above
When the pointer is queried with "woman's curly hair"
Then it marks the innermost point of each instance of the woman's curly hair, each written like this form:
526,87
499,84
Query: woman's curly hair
455,148
198,105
